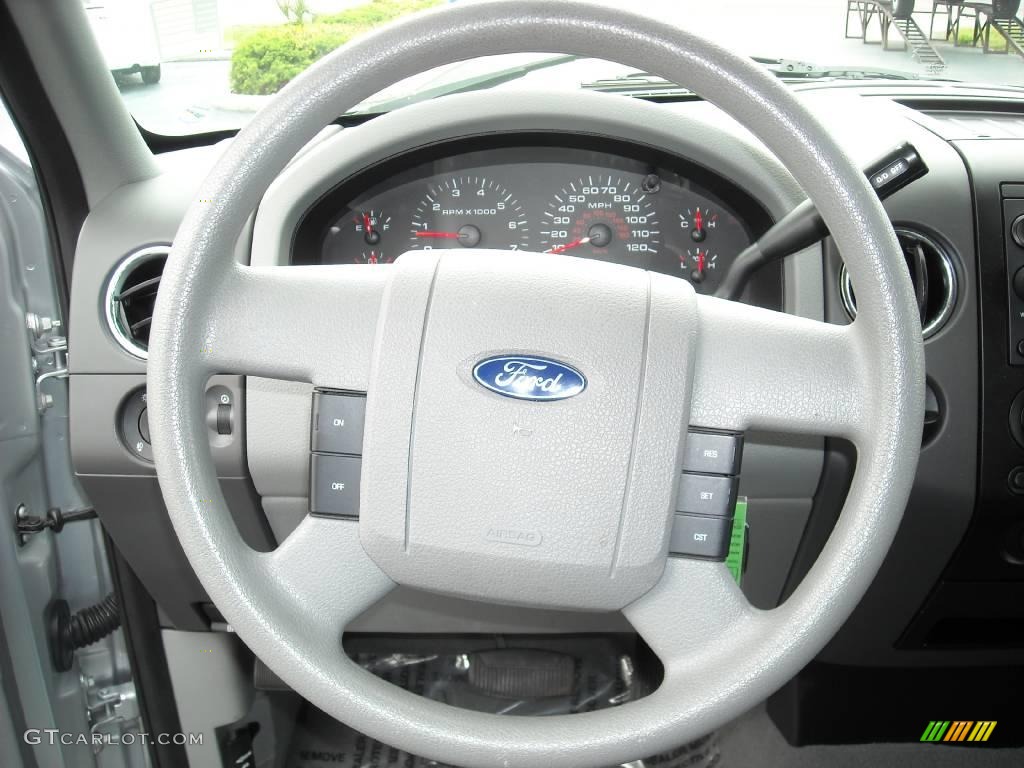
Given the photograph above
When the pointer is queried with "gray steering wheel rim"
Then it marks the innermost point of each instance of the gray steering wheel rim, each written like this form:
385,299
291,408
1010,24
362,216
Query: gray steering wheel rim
766,647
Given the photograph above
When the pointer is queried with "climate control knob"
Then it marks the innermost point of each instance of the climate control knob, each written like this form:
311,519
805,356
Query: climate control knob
1017,230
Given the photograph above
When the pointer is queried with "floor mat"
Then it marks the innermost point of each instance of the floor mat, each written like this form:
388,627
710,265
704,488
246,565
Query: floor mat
322,742
519,677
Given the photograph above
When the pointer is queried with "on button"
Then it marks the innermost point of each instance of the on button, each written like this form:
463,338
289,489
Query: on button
338,423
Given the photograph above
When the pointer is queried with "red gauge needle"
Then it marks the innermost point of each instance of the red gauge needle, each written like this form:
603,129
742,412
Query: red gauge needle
447,235
700,262
698,220
367,227
567,246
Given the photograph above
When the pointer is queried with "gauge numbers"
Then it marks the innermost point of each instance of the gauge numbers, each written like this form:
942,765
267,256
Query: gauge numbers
469,212
604,216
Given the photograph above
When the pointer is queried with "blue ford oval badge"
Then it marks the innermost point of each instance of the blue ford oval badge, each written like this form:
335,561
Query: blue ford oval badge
529,378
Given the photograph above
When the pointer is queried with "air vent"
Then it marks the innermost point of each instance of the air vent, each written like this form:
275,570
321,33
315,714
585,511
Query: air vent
932,274
131,294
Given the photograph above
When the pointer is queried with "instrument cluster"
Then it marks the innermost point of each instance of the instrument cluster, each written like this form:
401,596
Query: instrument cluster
613,202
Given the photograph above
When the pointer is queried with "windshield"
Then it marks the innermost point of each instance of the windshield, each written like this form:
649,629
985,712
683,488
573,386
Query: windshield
209,65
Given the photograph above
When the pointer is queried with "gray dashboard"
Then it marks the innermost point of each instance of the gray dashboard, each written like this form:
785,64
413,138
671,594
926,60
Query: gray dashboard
263,461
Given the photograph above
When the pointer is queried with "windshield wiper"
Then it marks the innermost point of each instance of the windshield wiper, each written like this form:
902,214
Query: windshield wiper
789,69
637,84
477,83
648,84
640,84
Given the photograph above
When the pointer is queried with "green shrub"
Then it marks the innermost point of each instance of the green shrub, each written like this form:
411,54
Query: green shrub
376,12
996,41
265,59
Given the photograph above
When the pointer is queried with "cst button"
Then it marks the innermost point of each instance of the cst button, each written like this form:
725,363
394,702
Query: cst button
698,536
338,423
334,485
713,495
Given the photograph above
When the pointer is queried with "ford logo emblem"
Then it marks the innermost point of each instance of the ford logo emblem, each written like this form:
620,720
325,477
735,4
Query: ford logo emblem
529,378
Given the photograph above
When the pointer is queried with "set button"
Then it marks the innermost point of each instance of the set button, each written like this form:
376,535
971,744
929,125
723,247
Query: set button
713,495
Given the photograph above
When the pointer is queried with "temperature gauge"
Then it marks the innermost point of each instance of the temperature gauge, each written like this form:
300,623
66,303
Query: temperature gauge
699,222
373,257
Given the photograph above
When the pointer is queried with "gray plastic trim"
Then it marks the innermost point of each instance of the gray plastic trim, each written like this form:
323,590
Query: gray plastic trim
108,148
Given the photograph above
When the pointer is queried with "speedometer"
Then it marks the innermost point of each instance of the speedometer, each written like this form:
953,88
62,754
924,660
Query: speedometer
468,212
604,216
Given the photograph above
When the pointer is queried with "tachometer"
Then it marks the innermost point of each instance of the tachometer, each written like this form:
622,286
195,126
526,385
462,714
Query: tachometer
468,212
604,216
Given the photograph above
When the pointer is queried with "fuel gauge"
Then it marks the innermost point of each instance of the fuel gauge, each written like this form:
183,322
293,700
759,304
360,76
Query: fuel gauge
357,238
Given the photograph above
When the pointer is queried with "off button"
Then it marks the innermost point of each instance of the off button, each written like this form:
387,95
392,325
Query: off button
334,485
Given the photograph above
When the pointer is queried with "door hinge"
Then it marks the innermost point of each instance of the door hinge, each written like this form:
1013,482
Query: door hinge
58,347
27,524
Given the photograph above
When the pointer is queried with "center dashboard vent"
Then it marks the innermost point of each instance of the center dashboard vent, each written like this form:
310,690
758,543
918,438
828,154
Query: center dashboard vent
932,274
131,293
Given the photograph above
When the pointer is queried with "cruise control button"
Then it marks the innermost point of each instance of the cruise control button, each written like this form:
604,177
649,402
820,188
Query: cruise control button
338,423
713,495
713,452
699,536
334,485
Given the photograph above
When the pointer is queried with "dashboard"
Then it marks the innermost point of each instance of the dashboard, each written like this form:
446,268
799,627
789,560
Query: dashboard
516,155
595,199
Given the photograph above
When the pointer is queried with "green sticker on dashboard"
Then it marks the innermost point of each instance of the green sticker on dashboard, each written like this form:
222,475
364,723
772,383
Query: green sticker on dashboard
738,543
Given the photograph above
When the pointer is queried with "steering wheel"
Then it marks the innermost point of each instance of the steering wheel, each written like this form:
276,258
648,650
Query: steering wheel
594,484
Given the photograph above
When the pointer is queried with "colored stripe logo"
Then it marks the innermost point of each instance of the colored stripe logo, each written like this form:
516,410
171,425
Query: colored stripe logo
958,730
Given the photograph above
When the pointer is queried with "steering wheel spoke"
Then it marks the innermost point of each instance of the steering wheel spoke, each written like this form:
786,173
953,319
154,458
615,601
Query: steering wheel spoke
691,609
323,569
758,369
314,324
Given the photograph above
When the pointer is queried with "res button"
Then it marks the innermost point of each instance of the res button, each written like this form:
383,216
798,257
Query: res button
715,453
